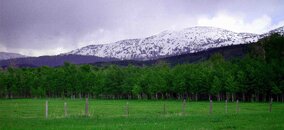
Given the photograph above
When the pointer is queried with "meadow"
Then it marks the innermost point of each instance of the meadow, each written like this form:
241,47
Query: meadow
143,114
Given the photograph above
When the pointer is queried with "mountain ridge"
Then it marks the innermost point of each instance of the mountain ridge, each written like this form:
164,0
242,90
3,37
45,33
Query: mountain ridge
230,40
170,43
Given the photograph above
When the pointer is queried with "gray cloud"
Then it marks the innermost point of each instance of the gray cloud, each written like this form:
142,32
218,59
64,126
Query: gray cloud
37,27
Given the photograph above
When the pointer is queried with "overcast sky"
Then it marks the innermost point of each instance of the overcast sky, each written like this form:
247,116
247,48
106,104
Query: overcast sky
48,27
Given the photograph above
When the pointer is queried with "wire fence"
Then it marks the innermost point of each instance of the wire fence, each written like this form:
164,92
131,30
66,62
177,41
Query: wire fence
58,108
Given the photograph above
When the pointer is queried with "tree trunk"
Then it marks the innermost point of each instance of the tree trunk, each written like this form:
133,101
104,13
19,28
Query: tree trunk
210,110
257,97
196,97
264,97
226,107
186,95
167,96
244,98
227,96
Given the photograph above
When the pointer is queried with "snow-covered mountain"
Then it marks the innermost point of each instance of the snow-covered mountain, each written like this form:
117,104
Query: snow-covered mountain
6,55
169,43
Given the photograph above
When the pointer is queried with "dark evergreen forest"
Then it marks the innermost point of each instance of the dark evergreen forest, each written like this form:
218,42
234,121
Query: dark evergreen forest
257,76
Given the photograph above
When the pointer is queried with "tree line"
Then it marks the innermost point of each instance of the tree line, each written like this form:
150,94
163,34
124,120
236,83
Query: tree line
256,77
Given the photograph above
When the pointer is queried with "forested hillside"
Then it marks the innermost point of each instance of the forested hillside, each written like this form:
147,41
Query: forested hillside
256,77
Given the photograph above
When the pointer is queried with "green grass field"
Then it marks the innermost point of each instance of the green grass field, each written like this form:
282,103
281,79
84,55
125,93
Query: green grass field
145,114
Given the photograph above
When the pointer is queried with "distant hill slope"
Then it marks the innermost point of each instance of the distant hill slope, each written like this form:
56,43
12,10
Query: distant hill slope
53,60
7,55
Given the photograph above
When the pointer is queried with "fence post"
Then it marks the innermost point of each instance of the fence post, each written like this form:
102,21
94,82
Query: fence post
164,109
87,107
237,106
183,107
126,110
46,109
270,105
210,111
65,109
226,107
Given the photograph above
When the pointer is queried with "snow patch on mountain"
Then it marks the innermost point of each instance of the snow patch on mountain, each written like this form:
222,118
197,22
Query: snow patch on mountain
169,43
